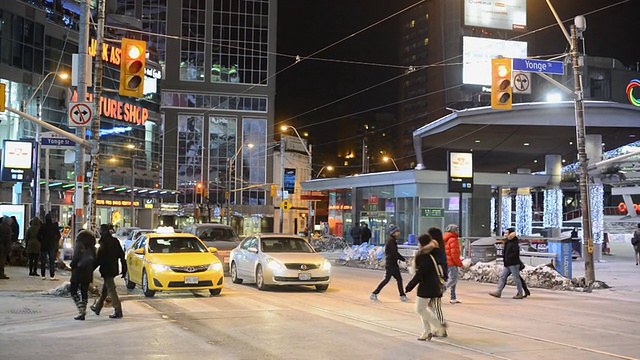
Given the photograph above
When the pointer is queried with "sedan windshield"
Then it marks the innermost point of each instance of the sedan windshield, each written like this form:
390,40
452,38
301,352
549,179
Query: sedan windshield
285,245
175,245
218,235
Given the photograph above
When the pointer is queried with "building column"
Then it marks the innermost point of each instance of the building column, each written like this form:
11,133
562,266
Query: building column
593,147
552,212
505,214
524,207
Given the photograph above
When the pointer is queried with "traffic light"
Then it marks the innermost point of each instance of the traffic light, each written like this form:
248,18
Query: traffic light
274,189
501,95
132,65
3,89
199,188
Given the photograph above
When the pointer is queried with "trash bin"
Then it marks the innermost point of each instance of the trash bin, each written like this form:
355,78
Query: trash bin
483,250
563,248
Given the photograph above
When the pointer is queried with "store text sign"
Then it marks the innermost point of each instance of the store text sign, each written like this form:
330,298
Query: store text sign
116,202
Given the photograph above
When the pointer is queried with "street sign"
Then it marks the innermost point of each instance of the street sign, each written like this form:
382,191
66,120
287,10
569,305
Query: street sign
80,114
521,83
286,205
542,66
51,140
432,212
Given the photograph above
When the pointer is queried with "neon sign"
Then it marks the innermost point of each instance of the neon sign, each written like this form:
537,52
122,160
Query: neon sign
632,99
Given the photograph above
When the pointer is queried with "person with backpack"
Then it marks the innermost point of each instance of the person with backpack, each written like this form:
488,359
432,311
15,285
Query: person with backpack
635,241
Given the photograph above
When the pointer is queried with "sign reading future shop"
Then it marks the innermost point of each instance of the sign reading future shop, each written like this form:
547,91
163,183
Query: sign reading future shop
17,160
460,171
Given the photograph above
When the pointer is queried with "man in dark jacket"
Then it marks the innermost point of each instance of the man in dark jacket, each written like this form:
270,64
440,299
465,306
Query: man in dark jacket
49,237
355,234
5,240
427,278
108,254
15,229
365,234
392,269
511,255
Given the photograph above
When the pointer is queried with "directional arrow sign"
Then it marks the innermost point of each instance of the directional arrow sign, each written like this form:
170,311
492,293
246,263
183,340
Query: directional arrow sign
547,67
80,114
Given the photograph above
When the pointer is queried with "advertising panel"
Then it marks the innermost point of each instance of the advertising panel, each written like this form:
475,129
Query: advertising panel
17,160
478,52
19,212
460,168
290,180
502,14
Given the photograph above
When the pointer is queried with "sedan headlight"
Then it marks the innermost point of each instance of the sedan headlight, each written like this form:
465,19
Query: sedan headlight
215,266
326,265
275,265
160,267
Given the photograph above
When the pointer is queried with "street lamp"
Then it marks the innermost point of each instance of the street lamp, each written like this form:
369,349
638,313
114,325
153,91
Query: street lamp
386,159
36,179
231,161
328,167
309,224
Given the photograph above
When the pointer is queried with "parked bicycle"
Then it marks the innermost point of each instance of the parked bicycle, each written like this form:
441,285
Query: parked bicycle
329,243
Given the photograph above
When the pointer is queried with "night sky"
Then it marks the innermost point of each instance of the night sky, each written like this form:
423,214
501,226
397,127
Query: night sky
305,27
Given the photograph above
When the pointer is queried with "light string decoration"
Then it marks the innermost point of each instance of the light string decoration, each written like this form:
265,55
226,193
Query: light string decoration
505,216
493,215
552,215
524,213
596,204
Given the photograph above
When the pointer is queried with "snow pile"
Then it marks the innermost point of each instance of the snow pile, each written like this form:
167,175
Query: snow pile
366,256
63,290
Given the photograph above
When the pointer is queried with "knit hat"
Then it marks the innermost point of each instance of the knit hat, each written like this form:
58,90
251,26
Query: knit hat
393,229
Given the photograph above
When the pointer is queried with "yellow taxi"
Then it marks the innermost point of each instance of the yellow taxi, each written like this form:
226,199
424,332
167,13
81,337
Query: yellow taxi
166,260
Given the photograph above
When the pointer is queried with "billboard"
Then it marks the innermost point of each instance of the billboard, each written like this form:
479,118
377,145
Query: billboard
478,52
501,14
460,169
17,160
290,180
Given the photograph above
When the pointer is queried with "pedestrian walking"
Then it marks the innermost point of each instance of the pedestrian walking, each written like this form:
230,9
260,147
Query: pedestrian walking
511,255
33,245
438,252
5,240
355,234
109,253
427,278
525,288
49,237
365,234
452,249
82,271
392,268
635,241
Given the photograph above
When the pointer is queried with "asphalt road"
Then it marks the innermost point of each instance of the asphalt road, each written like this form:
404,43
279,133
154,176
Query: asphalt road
342,323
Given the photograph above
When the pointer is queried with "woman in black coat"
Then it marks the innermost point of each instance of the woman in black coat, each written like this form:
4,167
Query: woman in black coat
82,271
427,278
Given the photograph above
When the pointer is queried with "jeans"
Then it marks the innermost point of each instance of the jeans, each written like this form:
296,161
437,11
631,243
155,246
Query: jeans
109,287
430,322
453,280
514,271
390,272
51,256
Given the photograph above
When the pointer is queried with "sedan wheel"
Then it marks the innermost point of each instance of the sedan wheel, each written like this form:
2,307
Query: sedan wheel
234,274
128,283
145,285
215,291
260,278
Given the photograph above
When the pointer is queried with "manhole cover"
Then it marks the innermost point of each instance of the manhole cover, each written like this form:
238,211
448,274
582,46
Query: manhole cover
24,311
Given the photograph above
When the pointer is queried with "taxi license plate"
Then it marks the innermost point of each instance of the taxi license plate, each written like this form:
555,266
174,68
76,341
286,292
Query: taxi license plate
191,280
304,276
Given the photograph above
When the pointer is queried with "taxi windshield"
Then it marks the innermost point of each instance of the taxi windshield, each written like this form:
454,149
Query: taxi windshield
170,245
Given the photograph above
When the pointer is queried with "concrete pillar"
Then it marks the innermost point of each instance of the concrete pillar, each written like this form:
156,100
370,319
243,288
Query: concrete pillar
593,147
552,212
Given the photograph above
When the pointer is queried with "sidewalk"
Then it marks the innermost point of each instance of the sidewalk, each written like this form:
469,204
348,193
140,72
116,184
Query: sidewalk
19,280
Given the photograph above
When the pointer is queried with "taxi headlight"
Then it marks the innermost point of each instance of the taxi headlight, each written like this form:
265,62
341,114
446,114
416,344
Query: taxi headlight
215,266
274,265
326,265
160,267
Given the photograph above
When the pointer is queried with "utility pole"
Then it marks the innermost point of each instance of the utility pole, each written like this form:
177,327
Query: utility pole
83,51
95,124
282,149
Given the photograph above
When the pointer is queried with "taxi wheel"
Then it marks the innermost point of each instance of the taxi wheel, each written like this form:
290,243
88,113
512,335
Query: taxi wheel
128,283
322,288
234,274
145,285
260,278
215,291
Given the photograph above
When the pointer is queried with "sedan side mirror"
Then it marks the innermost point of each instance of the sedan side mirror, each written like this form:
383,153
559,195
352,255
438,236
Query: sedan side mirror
213,249
139,251
253,250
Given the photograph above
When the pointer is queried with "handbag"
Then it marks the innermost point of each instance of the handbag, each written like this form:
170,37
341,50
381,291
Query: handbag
443,282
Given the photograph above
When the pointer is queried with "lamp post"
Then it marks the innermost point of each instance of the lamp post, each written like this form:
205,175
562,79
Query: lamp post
386,159
310,210
231,161
36,179
328,167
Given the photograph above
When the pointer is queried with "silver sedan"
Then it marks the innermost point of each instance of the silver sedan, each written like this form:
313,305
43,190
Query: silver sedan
277,259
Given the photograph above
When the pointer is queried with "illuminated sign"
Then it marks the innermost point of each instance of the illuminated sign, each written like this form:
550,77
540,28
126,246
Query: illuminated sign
478,52
632,99
116,202
460,172
115,130
17,160
118,110
503,14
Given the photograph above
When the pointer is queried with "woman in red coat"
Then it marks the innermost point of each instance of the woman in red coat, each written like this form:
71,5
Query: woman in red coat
452,249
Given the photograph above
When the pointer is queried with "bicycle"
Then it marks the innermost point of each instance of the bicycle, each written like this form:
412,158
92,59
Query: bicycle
329,243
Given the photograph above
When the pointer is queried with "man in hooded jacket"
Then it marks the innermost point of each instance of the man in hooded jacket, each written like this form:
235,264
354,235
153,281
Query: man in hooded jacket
109,253
511,255
392,268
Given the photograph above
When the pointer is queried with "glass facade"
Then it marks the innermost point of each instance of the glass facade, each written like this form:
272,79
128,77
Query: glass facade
254,161
154,25
239,38
190,150
214,101
222,146
192,41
